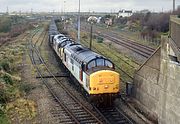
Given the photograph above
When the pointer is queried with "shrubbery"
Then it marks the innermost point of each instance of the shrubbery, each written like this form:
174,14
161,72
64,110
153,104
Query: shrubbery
5,24
3,96
25,87
7,78
5,65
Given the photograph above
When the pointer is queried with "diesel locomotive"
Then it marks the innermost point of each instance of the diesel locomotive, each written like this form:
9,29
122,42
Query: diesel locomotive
94,73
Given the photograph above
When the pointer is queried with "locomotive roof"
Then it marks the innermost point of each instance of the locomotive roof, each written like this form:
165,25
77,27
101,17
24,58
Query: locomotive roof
65,40
82,54
53,32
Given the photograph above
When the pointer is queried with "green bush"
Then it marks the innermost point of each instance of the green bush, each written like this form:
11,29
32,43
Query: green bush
4,119
25,87
5,65
3,96
3,116
178,16
5,24
8,79
100,39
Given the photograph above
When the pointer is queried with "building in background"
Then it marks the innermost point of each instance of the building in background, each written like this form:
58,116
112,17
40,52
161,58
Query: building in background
145,11
108,22
125,13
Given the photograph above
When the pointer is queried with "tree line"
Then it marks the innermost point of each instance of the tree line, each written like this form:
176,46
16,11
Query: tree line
150,25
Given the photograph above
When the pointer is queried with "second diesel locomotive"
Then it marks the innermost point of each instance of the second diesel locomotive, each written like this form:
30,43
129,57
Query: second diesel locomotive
93,72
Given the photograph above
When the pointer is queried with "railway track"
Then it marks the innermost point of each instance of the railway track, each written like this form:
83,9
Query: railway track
129,76
44,38
74,110
129,44
114,116
69,109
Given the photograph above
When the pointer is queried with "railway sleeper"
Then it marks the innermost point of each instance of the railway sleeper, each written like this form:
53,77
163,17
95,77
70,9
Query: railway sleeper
83,116
65,121
88,121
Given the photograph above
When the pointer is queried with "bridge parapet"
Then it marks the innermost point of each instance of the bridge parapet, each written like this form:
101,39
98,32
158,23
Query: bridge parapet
175,35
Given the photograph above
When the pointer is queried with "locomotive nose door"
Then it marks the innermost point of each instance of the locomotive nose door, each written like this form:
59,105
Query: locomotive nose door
81,72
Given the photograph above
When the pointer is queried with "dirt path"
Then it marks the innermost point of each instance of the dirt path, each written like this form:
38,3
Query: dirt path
38,93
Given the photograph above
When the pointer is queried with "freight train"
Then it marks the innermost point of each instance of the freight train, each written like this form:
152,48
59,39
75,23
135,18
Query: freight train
94,73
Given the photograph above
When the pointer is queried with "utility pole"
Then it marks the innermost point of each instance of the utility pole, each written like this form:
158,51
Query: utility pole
60,8
20,12
79,23
91,37
64,7
7,10
92,20
174,5
31,11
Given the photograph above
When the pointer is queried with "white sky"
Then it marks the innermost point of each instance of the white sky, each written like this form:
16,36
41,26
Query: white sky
86,5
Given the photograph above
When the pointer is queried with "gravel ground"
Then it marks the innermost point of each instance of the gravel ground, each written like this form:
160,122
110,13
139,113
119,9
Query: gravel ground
39,94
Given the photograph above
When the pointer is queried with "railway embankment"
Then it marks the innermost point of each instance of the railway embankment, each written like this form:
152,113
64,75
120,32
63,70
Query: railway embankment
156,83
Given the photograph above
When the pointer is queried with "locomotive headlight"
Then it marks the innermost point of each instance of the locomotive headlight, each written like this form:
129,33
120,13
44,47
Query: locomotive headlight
106,87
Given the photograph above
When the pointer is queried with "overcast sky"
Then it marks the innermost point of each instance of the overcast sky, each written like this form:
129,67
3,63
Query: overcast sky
86,5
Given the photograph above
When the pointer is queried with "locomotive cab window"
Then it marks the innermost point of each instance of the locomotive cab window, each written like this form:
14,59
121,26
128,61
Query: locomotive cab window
100,62
67,42
59,45
92,64
108,64
63,44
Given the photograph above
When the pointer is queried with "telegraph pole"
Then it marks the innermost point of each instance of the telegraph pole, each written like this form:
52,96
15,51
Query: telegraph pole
79,23
31,11
64,7
7,10
92,20
174,5
91,36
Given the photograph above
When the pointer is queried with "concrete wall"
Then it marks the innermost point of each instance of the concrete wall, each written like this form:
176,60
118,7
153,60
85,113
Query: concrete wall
157,85
146,83
175,30
169,87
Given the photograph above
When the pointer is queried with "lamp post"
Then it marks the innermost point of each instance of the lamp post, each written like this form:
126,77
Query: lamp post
92,20
79,23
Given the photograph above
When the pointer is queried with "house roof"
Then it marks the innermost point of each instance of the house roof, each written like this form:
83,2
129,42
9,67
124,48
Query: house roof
125,11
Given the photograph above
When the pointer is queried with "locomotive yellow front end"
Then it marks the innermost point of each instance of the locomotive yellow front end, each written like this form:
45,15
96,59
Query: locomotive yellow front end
104,85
